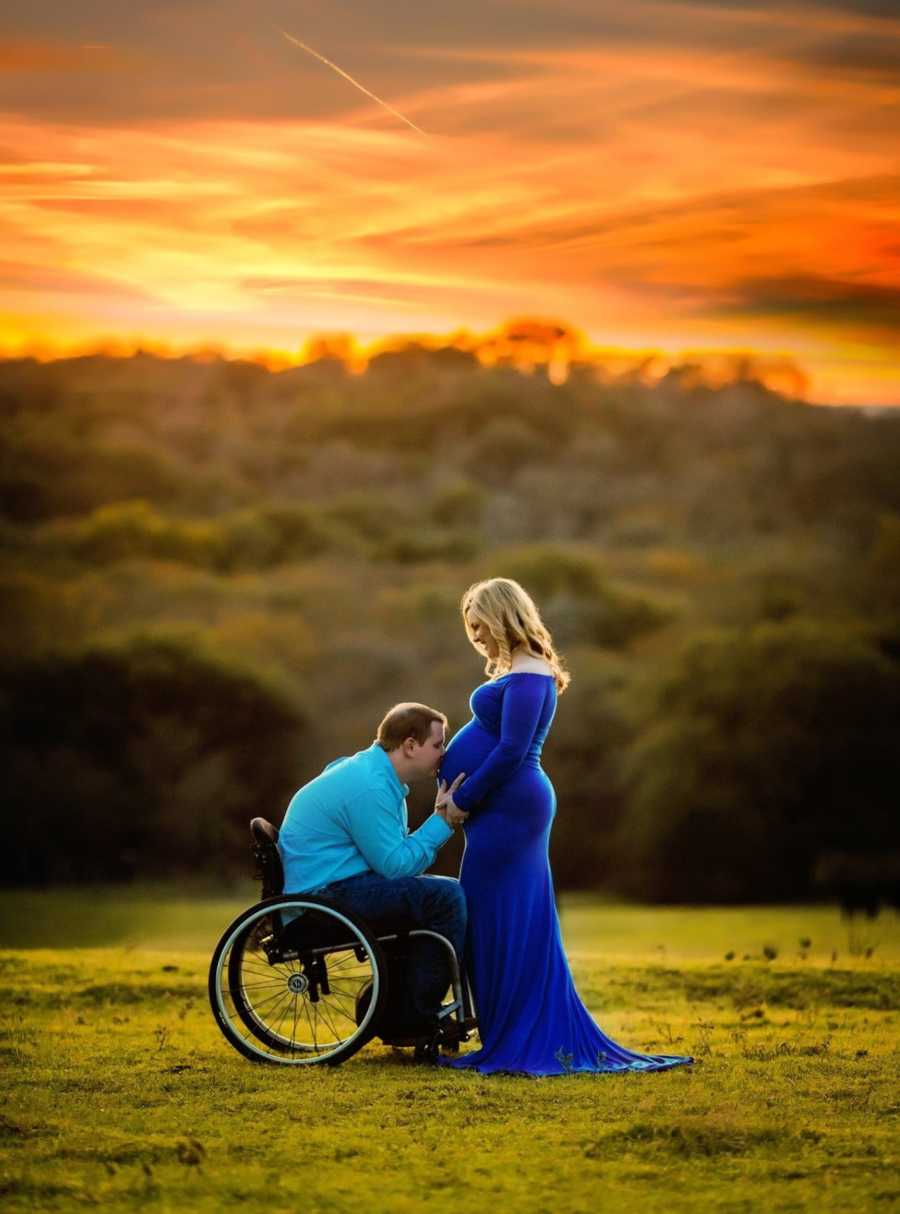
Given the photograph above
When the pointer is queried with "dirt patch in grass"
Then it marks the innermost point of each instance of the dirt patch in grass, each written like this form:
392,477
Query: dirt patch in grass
119,994
745,985
684,1138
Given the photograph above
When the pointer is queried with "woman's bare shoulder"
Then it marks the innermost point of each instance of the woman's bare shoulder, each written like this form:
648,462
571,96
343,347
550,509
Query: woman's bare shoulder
531,665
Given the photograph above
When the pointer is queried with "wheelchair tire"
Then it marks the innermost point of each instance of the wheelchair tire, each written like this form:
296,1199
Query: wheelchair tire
288,992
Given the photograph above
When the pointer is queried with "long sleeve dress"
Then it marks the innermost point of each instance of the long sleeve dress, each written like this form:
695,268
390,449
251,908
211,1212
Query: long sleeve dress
530,1017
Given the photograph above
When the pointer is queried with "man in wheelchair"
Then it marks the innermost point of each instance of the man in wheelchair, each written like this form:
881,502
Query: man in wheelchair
345,837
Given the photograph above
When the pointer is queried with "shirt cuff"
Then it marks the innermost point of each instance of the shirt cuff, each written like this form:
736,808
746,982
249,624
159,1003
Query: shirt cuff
434,831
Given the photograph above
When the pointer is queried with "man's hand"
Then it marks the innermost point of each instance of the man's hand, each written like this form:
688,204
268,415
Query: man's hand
443,802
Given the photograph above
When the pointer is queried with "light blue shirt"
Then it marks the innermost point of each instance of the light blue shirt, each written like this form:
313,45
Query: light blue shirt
352,819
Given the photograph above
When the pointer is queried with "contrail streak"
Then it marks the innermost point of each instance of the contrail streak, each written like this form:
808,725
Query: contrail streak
340,71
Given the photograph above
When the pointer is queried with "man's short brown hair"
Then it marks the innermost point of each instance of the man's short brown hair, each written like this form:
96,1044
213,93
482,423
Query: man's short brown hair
407,721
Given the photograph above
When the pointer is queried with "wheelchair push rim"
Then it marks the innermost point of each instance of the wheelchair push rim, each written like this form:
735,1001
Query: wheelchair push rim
285,980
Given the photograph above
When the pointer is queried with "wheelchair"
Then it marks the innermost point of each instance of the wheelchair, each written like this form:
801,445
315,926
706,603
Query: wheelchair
299,981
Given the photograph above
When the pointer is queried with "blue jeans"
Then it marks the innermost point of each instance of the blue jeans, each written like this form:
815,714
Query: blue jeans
436,903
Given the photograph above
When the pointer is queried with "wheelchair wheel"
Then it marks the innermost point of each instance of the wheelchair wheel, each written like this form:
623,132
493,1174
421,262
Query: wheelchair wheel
286,978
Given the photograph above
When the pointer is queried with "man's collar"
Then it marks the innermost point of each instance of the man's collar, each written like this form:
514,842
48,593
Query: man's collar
379,749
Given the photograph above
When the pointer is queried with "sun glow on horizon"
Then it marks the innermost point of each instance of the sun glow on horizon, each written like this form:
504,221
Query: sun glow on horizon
527,344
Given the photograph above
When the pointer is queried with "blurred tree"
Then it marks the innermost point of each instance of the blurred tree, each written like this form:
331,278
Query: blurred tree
583,758
458,504
409,546
34,614
880,589
271,534
757,752
574,595
372,516
50,474
503,446
142,759
129,530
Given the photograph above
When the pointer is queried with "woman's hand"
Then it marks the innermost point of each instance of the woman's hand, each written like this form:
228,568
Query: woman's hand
444,804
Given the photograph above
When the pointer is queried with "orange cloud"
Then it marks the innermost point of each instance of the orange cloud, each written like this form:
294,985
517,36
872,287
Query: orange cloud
667,187
44,56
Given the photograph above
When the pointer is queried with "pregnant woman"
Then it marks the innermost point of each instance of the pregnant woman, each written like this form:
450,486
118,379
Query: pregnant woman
530,1017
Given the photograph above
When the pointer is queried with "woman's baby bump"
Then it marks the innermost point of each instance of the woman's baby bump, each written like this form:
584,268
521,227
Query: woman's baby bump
467,750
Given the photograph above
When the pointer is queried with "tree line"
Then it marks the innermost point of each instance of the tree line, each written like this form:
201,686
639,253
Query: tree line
215,579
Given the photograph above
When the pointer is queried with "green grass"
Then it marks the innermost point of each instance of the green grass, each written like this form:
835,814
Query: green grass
118,1088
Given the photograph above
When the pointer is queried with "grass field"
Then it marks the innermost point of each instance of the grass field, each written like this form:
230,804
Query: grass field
118,1089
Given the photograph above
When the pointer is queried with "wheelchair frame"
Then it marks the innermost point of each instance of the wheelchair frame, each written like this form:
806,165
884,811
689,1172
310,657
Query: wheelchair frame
262,968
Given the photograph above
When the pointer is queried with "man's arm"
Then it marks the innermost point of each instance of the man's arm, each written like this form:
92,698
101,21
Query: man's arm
388,850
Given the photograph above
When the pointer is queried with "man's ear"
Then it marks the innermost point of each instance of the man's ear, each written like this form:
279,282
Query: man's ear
409,746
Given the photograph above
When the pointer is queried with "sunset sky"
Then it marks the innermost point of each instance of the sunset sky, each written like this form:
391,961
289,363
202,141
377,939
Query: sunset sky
666,176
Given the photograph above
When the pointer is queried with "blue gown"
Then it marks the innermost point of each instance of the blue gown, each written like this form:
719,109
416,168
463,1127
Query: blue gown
530,1017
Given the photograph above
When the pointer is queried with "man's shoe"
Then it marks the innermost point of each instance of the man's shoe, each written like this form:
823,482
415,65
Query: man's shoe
428,1052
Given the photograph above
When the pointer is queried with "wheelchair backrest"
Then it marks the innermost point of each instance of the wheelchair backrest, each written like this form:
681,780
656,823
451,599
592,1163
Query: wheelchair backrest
267,861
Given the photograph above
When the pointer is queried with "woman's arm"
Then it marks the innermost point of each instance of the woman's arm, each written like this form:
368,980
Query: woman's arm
523,703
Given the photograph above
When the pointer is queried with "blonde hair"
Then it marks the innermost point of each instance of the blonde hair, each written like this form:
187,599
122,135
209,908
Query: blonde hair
511,617
407,720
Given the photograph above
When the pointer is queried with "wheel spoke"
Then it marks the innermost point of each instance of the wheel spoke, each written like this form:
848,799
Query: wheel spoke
343,995
269,1002
345,962
310,1023
347,979
256,1001
292,1000
273,1011
326,1016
